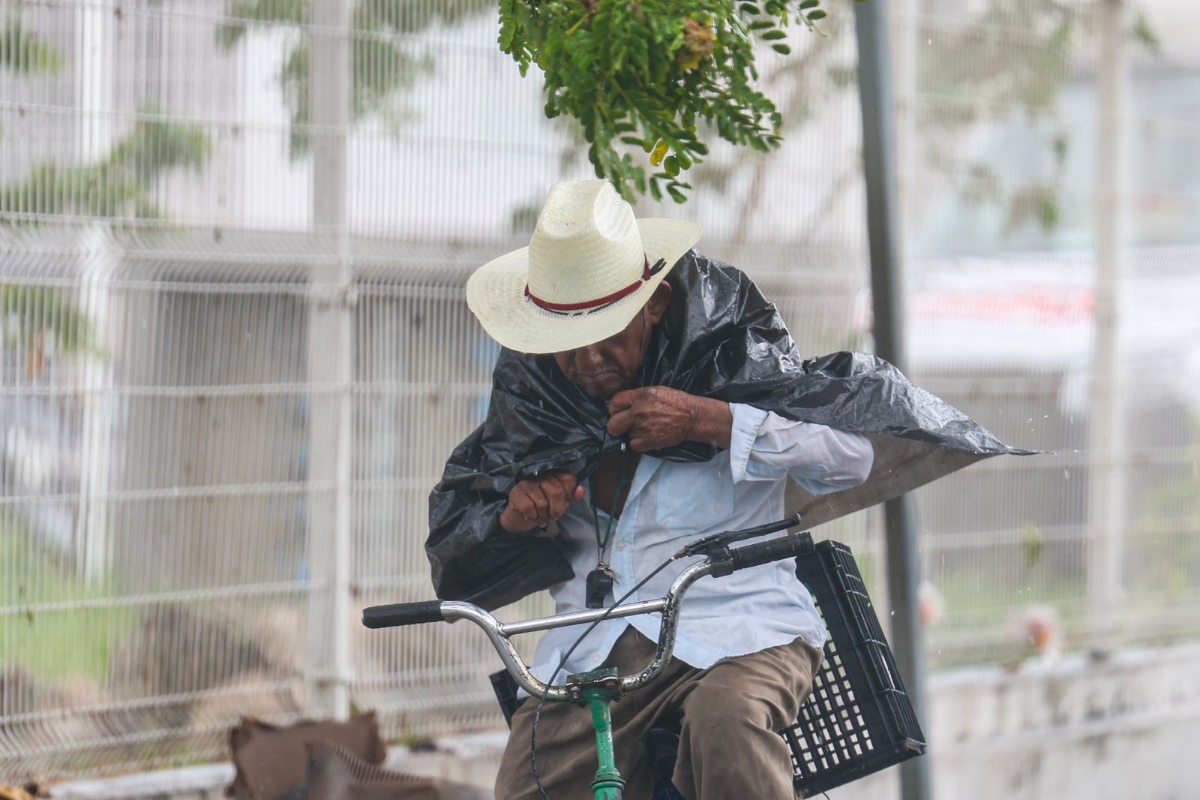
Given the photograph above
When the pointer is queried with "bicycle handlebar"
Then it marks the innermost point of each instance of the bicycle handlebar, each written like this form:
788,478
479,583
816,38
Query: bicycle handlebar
398,614
755,555
714,543
720,563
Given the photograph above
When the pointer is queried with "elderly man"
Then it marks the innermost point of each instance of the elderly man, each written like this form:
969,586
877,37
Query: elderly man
586,304
647,396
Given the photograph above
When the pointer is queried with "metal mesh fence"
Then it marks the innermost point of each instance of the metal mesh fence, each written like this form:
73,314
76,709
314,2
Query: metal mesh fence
1006,147
222,414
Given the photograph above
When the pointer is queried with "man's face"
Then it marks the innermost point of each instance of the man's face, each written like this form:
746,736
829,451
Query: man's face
609,366
613,364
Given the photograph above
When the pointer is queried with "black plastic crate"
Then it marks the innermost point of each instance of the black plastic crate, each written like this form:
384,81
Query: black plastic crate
858,719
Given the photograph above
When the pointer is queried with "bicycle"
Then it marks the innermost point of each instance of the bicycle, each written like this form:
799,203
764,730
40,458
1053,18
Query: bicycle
597,689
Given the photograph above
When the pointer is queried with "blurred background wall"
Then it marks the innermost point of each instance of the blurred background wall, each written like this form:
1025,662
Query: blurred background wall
234,352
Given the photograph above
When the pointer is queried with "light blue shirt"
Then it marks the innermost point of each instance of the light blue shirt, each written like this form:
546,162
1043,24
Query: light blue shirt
671,503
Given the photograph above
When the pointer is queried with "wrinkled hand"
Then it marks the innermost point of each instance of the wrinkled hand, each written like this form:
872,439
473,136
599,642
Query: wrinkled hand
534,502
657,417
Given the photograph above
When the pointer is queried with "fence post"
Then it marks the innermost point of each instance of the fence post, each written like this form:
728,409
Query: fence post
330,366
94,66
96,445
1106,425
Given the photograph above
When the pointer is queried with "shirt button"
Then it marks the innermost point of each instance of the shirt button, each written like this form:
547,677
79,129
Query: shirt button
620,545
596,659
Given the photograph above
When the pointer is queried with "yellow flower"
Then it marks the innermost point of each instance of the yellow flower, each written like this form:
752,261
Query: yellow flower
698,41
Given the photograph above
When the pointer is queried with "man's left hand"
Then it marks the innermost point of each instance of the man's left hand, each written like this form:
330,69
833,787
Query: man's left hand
657,417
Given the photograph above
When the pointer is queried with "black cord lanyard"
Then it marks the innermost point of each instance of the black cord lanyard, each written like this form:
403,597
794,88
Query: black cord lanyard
600,580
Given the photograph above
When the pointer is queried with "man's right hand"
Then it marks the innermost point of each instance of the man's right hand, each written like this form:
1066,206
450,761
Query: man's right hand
535,502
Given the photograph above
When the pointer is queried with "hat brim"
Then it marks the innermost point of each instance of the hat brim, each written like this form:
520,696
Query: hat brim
496,295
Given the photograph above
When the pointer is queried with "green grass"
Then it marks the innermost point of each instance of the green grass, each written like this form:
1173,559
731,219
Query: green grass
53,644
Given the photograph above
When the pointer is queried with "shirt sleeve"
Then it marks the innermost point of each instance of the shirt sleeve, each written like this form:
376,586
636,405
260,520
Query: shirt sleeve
766,446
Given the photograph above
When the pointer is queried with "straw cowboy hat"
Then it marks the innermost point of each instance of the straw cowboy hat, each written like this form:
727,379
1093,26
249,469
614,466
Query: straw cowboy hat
587,272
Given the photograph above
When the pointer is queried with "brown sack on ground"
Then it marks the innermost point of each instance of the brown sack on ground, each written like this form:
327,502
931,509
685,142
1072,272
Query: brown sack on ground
336,774
270,760
14,793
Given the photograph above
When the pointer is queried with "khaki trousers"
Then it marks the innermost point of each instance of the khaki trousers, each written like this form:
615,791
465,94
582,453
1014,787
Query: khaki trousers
728,747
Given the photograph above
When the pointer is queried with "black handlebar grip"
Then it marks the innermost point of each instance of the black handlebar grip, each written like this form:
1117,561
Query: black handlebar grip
789,546
397,614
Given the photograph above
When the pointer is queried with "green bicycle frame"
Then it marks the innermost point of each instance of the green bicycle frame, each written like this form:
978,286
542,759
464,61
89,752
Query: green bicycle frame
609,784
596,690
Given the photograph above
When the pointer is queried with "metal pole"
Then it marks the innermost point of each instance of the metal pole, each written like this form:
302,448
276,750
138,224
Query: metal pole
879,167
95,44
330,365
906,32
1106,486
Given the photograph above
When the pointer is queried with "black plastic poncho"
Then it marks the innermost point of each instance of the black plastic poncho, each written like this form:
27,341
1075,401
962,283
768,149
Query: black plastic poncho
720,338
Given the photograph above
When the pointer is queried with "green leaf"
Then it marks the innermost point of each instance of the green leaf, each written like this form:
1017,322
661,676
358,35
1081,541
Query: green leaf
1143,33
816,15
1049,213
119,185
1059,148
1033,543
651,75
810,4
26,53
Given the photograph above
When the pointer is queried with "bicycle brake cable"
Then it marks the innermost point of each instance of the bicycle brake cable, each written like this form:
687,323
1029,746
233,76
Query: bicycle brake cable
537,714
